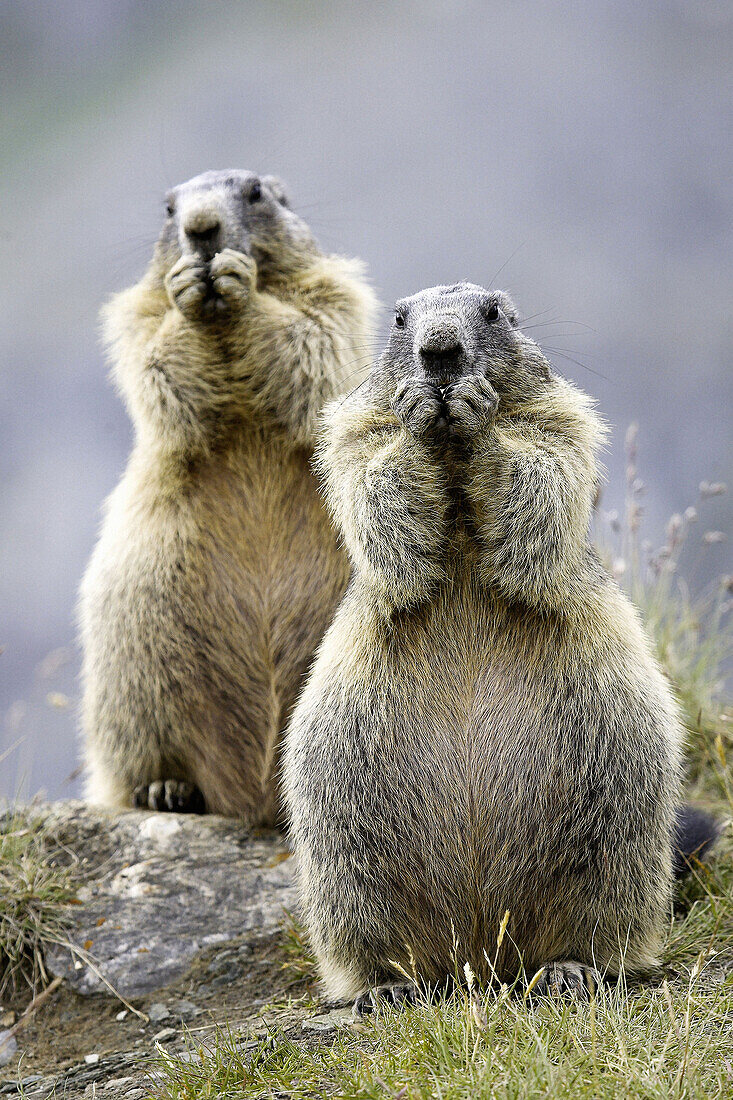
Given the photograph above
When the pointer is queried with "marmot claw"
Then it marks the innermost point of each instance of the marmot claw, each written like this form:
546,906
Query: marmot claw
397,994
562,978
169,795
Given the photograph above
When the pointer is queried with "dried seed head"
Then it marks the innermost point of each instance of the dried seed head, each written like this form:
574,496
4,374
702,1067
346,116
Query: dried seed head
632,434
478,1013
58,700
633,516
712,489
656,565
502,929
674,527
618,568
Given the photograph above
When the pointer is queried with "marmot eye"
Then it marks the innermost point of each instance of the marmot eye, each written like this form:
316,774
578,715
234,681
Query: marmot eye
255,192
399,319
170,208
492,313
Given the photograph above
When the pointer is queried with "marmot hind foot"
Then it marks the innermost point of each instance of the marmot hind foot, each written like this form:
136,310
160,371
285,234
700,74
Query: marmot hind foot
561,979
391,994
169,796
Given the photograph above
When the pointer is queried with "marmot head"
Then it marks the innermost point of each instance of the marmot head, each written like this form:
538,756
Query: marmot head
234,209
449,331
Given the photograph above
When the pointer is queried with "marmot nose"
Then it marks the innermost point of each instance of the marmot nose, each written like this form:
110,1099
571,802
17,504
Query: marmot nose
441,357
202,230
441,348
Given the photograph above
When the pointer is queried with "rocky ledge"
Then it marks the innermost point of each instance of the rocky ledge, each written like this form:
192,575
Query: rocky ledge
158,888
180,916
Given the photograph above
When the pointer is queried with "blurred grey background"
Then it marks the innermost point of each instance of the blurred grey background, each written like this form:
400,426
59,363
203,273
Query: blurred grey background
583,149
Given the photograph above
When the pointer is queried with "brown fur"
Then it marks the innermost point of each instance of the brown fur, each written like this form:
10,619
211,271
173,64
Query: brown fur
217,570
485,727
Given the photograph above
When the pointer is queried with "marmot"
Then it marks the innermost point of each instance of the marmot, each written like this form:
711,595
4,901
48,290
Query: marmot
217,570
485,727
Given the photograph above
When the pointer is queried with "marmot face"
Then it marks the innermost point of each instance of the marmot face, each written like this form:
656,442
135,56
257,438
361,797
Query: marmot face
234,209
447,332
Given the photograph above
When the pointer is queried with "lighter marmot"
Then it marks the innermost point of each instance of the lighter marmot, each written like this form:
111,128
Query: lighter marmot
217,570
485,727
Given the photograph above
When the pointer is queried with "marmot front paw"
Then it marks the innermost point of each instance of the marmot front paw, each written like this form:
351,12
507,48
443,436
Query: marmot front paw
209,292
471,404
187,286
233,278
418,404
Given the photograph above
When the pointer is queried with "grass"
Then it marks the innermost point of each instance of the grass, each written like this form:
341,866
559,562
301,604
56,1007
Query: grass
299,958
651,1043
35,892
691,631
669,1037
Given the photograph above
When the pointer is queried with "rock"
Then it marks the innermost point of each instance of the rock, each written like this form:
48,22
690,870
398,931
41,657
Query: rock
166,1033
89,1079
185,1009
8,1047
158,888
329,1021
158,1012
91,1059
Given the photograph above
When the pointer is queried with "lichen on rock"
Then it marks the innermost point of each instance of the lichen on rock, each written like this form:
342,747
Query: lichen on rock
157,889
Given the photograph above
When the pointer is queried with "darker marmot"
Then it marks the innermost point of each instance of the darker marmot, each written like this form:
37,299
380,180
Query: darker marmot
485,727
217,570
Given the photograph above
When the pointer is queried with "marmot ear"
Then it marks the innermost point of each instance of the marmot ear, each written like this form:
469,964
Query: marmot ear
278,189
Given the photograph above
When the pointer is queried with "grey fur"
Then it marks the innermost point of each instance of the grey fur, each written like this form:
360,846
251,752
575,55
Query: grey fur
485,727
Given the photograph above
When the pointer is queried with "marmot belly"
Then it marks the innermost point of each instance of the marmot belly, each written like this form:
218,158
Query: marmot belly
484,780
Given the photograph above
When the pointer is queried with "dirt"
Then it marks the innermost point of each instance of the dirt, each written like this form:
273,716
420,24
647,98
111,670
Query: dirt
245,984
